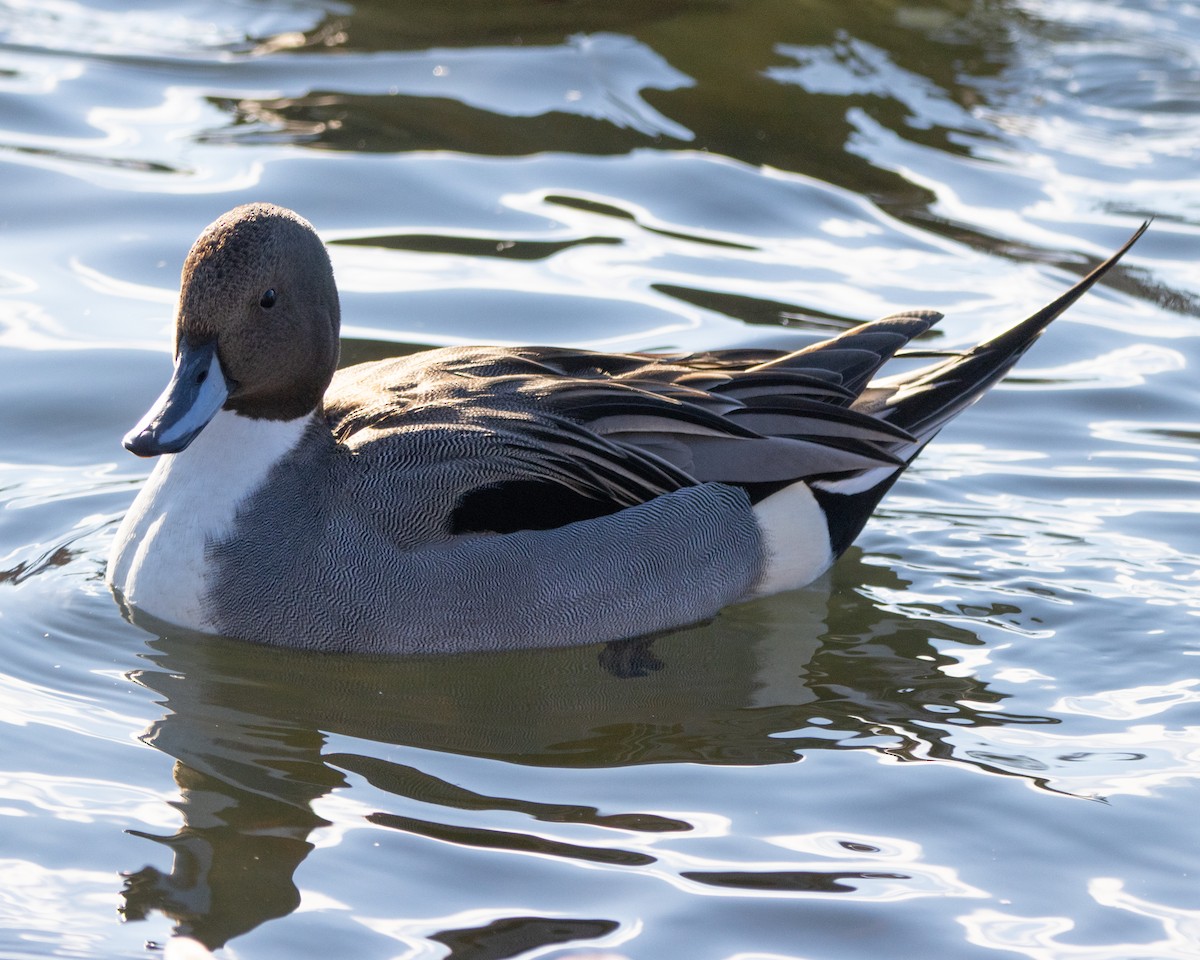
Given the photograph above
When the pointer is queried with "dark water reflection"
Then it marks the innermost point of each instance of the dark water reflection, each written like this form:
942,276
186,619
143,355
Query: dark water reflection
248,727
696,84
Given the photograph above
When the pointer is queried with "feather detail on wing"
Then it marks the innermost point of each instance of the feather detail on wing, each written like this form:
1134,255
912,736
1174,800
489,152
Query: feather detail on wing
541,436
573,434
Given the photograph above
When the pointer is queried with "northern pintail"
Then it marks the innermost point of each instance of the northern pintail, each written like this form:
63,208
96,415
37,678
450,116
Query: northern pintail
489,497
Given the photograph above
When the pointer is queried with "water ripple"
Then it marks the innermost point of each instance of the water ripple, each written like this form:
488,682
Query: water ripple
1039,937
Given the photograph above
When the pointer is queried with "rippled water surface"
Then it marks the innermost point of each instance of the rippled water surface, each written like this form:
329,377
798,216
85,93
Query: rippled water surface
979,736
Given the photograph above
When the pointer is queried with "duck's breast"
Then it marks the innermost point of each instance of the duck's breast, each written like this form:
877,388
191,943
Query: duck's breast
161,558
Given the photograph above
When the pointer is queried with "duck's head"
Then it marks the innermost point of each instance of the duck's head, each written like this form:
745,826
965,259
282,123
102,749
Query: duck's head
256,330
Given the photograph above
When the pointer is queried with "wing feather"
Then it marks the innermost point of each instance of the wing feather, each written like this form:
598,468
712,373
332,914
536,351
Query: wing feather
533,436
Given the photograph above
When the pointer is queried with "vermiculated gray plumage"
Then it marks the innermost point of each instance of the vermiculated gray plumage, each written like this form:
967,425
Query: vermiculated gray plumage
490,498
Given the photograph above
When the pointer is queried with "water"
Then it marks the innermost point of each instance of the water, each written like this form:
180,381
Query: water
979,736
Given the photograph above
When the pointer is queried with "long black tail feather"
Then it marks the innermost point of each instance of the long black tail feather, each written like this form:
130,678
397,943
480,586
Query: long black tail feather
923,401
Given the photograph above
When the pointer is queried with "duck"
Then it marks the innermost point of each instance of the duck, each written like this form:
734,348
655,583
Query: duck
476,498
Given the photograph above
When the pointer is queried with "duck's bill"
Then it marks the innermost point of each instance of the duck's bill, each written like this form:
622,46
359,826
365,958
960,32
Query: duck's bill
198,389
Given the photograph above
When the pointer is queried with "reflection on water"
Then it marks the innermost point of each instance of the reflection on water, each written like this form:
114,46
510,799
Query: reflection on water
249,728
808,667
598,78
1038,937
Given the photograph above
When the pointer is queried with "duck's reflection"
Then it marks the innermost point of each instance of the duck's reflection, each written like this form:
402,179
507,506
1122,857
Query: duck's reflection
247,727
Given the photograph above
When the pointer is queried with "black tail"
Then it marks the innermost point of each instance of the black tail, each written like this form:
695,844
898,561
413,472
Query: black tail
925,400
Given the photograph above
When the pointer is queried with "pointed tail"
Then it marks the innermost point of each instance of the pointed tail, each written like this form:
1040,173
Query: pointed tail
923,401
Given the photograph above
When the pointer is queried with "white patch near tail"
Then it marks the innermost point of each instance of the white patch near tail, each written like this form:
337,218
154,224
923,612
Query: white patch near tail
860,482
796,539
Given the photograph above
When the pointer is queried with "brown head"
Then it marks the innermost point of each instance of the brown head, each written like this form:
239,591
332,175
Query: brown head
258,282
256,330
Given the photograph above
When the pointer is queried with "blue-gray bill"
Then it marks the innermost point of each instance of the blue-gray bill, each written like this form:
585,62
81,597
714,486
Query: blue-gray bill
197,390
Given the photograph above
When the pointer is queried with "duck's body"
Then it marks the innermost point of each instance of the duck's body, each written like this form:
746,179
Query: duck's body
474,498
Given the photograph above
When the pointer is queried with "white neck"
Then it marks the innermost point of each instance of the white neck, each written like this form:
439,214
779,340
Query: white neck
191,501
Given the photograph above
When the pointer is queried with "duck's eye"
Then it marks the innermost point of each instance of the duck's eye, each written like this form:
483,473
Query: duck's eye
268,299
